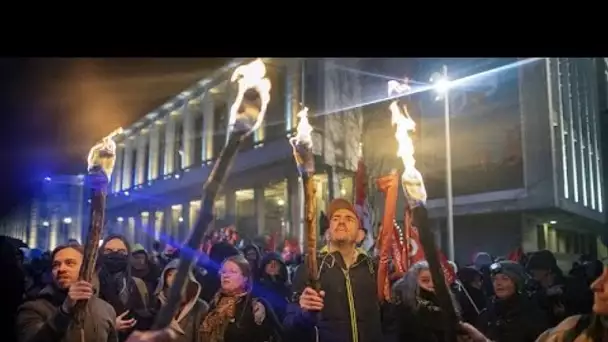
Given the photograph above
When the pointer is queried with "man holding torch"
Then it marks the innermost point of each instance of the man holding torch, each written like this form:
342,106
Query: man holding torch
346,307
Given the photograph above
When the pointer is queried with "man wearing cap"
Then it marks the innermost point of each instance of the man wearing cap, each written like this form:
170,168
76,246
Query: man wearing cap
346,308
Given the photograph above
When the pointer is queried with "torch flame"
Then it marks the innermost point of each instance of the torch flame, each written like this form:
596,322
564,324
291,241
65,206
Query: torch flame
103,154
249,76
398,88
411,179
404,127
303,135
302,144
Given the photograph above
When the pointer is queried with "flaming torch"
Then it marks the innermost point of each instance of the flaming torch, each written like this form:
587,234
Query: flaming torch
100,160
302,153
246,115
415,193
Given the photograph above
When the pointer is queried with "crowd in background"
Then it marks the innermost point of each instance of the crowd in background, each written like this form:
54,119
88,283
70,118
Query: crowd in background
242,294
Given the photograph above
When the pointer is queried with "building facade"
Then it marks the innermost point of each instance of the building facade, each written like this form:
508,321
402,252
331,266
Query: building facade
527,162
526,152
55,214
164,158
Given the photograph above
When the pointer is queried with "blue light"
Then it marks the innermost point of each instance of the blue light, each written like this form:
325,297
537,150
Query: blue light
47,179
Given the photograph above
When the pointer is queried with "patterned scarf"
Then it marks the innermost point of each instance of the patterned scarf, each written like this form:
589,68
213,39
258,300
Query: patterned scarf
217,320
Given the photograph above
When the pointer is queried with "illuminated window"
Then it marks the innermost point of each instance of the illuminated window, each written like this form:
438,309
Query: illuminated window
176,221
276,207
346,187
158,224
220,207
195,208
322,192
246,222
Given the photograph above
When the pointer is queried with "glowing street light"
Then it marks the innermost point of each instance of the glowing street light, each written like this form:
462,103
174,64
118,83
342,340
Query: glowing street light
67,220
441,84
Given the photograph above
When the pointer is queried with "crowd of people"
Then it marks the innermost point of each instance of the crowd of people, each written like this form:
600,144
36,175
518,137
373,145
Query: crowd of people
253,294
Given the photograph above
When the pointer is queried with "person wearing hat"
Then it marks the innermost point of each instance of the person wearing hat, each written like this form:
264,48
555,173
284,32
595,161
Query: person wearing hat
143,268
346,301
553,294
511,315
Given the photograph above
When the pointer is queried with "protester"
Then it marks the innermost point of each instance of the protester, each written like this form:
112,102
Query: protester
236,315
128,295
511,316
417,307
188,319
50,317
346,301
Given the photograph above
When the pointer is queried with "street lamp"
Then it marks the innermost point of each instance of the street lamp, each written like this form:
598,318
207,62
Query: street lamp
442,87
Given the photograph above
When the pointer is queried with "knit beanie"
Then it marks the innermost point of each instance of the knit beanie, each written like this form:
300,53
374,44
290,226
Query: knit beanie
542,260
481,260
511,269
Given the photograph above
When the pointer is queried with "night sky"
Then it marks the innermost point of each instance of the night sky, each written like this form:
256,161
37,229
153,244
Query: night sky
54,110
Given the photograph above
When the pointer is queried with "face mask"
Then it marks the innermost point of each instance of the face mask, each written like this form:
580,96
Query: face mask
115,262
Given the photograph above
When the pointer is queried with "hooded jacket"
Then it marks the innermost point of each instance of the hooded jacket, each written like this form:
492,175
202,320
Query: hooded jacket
123,291
189,319
255,266
275,290
149,276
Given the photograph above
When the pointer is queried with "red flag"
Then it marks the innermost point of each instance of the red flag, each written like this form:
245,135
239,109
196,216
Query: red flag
362,206
272,241
416,254
516,254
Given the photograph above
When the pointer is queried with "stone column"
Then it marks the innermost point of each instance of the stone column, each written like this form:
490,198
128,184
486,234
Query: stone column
260,209
296,209
147,229
127,163
130,230
169,142
169,229
188,136
184,226
54,232
33,226
117,172
141,157
158,224
208,123
154,146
